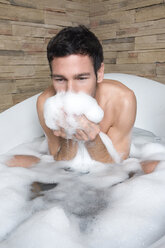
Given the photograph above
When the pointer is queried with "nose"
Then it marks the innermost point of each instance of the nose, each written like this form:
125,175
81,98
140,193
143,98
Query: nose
70,85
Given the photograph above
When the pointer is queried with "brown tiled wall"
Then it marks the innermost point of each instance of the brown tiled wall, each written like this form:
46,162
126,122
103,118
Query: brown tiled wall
25,29
132,33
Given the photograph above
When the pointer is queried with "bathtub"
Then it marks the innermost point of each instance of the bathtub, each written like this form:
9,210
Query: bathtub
20,123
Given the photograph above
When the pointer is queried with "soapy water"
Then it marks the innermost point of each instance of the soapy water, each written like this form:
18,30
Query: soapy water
82,204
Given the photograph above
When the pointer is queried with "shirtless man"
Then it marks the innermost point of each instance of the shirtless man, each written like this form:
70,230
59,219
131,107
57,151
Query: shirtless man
76,63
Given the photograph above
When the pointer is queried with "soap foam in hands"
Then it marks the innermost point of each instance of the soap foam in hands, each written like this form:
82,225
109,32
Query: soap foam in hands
60,111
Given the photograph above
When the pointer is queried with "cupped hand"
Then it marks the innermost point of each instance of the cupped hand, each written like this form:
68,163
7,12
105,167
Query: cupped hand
86,131
89,130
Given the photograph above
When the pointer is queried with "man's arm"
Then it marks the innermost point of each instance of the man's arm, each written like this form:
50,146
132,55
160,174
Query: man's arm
59,147
119,132
22,161
53,141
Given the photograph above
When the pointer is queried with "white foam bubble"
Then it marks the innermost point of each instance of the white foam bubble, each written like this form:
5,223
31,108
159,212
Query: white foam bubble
60,111
110,148
98,207
48,228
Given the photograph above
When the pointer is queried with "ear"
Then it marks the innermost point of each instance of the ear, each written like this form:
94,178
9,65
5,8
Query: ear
100,73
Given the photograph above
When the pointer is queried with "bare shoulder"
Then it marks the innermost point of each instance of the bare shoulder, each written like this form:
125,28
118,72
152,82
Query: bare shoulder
44,95
115,91
118,102
40,108
115,86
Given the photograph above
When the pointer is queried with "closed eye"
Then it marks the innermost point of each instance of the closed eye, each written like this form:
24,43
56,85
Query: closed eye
59,79
82,78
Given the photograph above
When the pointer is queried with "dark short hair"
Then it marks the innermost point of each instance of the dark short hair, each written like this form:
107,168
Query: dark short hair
76,40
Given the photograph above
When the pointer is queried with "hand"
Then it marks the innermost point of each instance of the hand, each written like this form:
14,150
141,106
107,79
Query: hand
88,130
61,133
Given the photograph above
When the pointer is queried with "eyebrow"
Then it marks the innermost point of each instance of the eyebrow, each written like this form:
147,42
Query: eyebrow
56,75
76,76
83,74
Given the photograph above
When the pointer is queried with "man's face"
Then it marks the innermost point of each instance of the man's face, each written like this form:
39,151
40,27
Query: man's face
74,73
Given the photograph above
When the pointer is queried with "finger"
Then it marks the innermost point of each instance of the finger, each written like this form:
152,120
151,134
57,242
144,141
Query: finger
77,136
86,124
90,129
93,132
60,133
63,133
82,120
82,135
56,132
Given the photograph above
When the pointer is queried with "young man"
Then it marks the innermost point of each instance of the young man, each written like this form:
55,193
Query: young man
76,63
